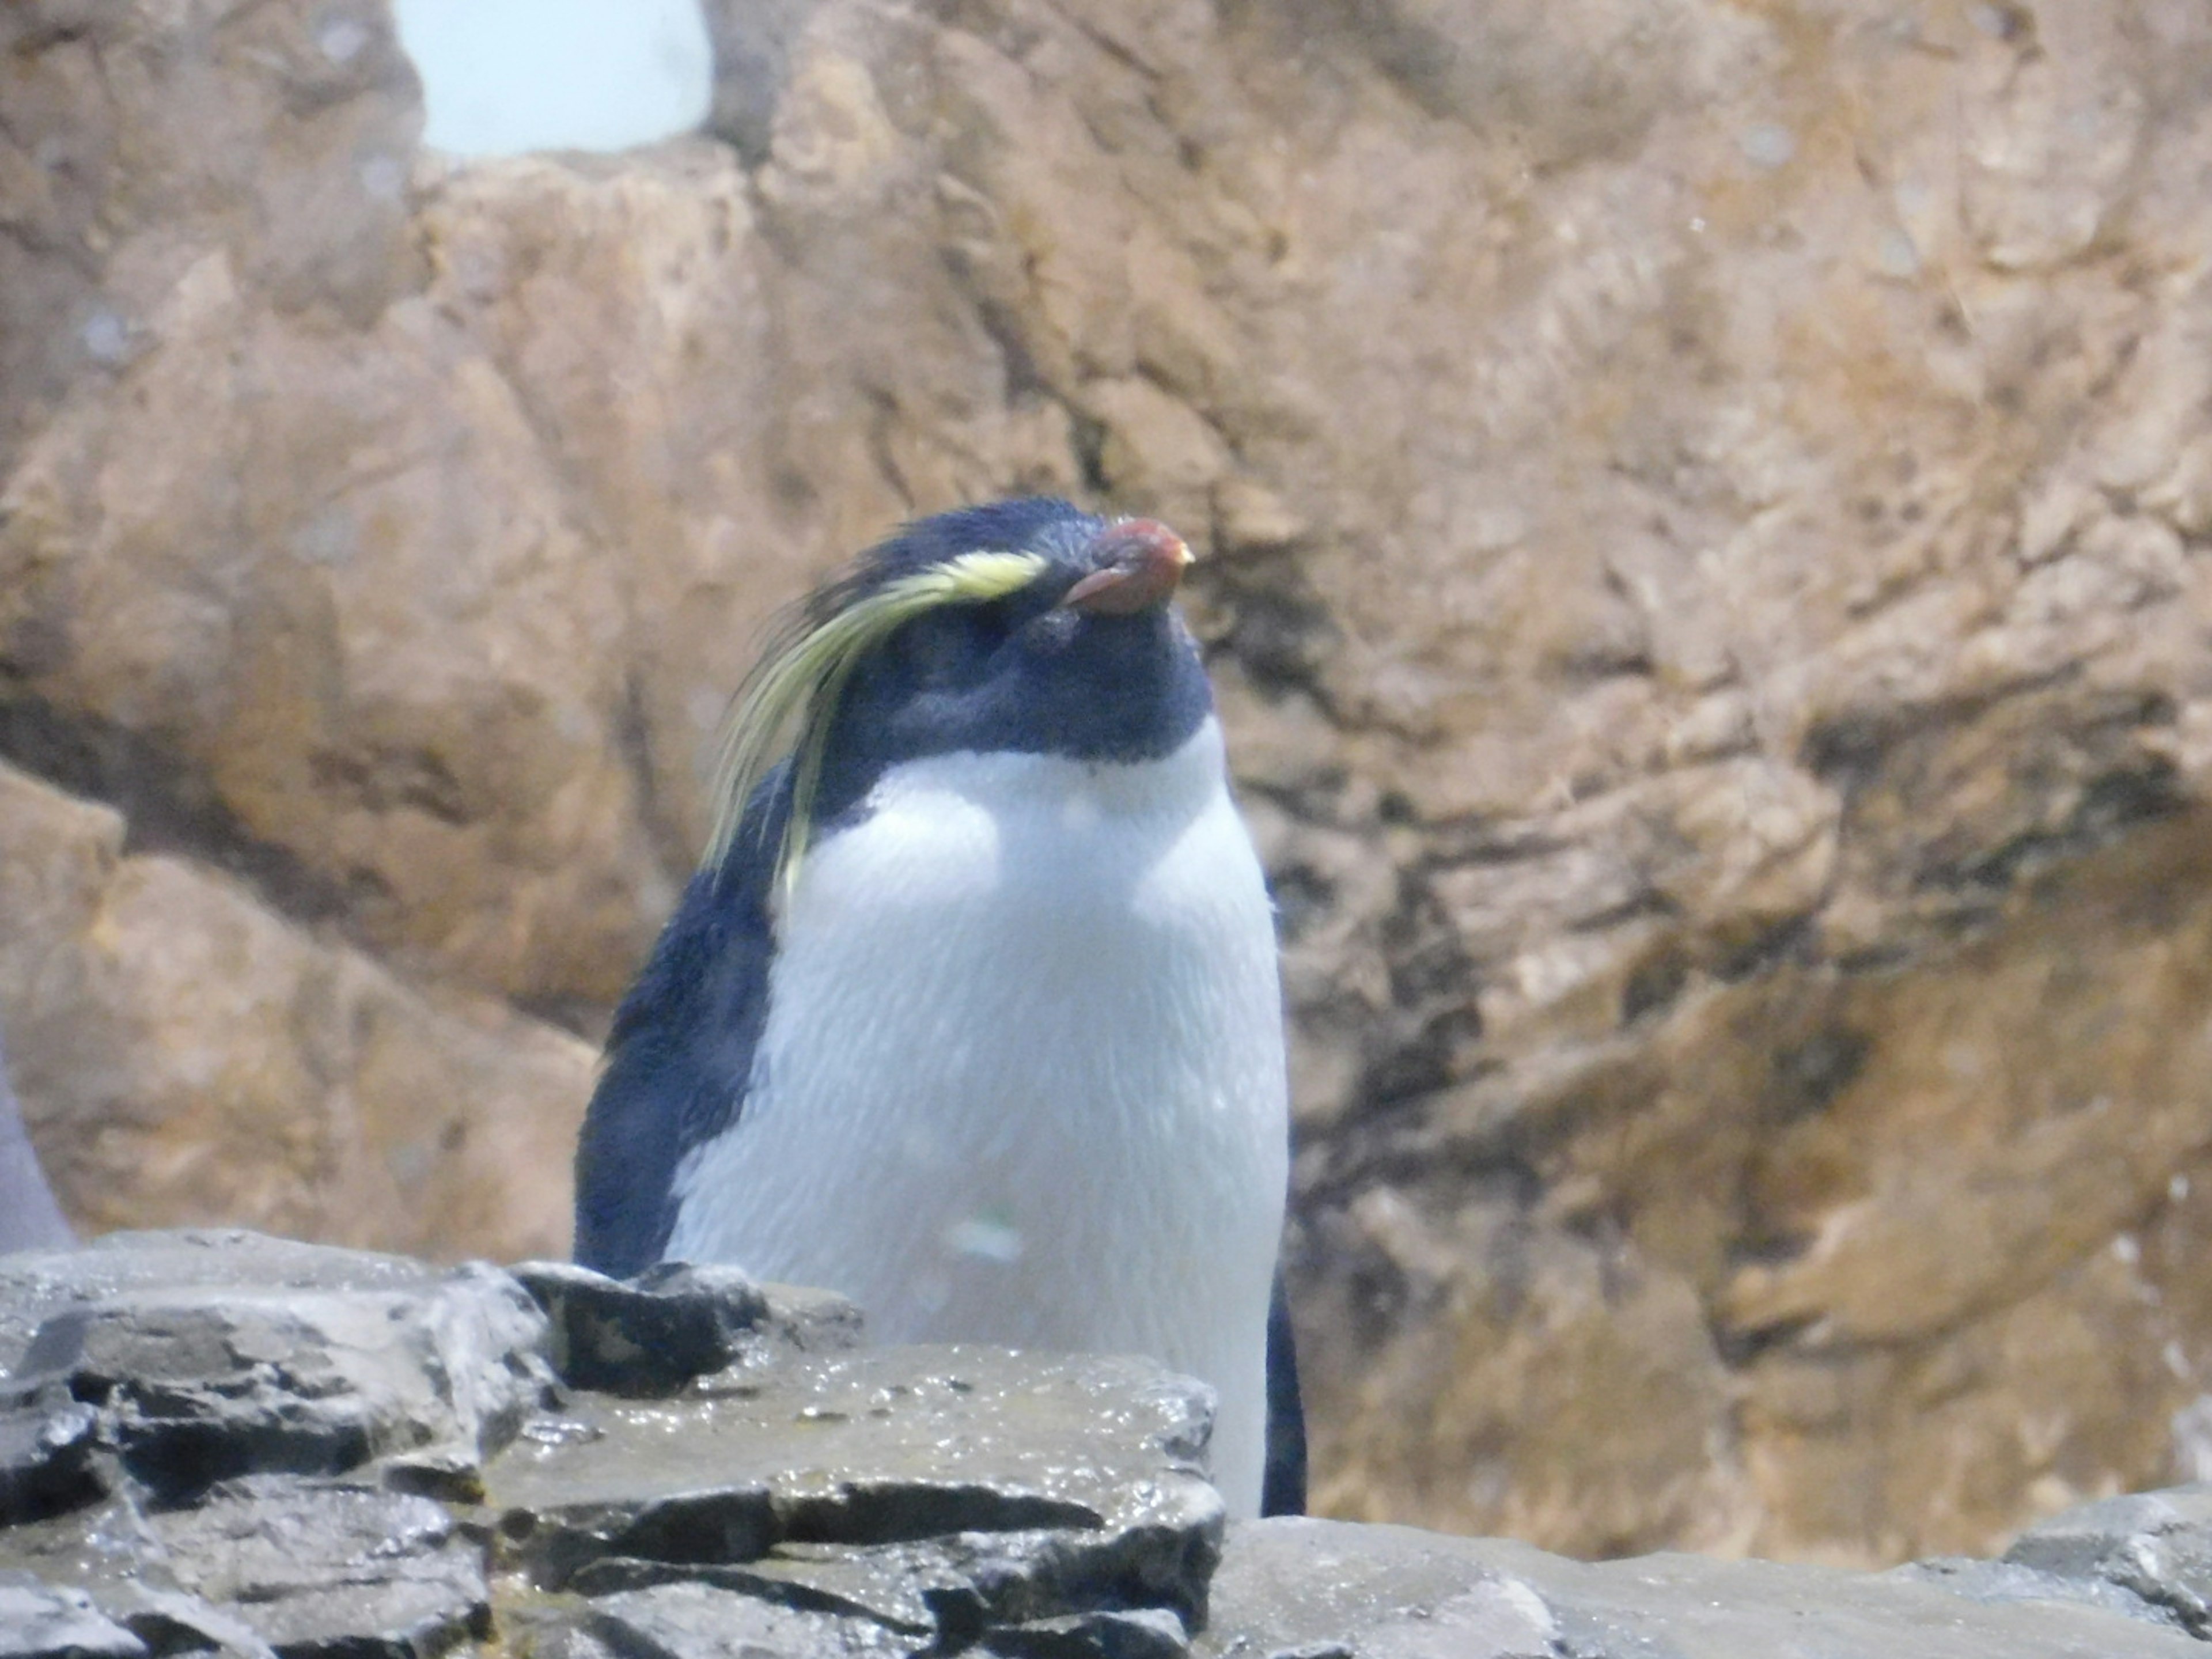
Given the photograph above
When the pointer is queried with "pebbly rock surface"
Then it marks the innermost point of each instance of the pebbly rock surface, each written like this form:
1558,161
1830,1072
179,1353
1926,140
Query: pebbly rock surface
359,1457
1703,512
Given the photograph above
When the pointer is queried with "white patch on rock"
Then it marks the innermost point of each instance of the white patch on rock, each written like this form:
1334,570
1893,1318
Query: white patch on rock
500,78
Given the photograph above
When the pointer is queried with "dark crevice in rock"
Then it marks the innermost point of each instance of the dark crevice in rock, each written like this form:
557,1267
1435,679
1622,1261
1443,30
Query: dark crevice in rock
1769,1249
1023,380
2109,807
385,779
615,1575
1846,750
883,424
904,1514
1277,632
1089,433
1427,1038
1739,1347
752,46
1790,941
1655,985
168,805
1646,904
1807,1076
633,737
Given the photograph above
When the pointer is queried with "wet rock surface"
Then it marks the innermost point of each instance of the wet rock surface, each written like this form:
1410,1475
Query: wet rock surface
221,1442
762,1484
212,1356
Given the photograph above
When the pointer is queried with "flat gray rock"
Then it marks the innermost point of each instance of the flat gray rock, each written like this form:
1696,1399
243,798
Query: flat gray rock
2154,1547
338,1570
936,1491
699,1621
40,1622
34,1283
211,1356
1321,1588
651,1335
268,1566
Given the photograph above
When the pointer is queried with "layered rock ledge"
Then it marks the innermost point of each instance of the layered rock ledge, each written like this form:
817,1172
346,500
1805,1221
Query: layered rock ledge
225,1443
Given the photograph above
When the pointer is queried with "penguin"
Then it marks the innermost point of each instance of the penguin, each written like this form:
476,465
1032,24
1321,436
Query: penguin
972,1010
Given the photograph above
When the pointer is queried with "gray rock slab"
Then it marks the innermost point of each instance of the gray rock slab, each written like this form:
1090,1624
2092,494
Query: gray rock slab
29,1217
34,1283
2154,1548
1322,1589
701,1621
110,1557
268,1566
2004,1581
949,1490
37,1621
101,1551
651,1335
315,1569
211,1356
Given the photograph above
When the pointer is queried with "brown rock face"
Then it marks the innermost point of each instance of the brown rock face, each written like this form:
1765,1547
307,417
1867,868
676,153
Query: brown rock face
185,1055
1703,510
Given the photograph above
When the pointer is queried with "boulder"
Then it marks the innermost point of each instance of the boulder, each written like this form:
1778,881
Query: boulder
186,1055
212,1357
262,1447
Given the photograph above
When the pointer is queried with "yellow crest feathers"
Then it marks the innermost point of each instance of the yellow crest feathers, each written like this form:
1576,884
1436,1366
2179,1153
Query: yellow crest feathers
795,686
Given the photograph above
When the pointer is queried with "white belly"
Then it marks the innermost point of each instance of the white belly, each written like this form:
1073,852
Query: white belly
1022,1078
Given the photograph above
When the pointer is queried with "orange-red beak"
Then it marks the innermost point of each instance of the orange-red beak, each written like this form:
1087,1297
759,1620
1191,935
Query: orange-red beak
1145,560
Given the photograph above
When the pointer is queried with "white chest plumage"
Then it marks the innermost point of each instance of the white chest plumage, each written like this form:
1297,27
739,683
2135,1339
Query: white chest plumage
1022,1077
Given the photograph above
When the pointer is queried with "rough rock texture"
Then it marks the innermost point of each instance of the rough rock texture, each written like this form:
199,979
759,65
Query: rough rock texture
186,1055
784,1491
1704,509
194,1359
247,1444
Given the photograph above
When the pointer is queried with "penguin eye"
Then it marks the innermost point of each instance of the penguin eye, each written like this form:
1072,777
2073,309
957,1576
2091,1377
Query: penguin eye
949,647
1051,633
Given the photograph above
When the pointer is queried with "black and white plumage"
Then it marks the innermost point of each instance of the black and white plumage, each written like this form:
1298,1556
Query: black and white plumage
973,1012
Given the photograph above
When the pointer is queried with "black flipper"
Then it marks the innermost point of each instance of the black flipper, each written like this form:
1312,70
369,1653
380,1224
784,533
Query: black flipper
1282,1491
681,1052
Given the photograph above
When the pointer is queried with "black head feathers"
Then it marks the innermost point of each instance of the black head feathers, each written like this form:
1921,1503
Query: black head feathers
1023,626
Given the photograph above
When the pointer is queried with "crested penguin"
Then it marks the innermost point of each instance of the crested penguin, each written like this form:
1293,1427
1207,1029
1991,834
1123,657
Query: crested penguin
971,1012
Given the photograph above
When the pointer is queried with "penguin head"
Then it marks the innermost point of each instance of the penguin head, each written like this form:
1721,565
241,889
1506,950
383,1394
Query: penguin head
1024,626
